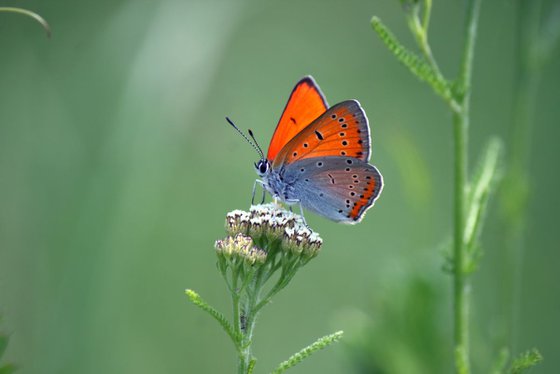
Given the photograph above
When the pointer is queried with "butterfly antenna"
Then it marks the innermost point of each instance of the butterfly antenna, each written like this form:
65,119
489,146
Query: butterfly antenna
255,140
257,148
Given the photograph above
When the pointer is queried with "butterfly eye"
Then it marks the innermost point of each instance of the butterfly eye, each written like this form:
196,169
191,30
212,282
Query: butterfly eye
263,166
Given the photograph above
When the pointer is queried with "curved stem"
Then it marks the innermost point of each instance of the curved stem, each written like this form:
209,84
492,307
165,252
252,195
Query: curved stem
31,14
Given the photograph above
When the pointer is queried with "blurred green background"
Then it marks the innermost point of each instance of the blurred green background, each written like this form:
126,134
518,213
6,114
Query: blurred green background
117,169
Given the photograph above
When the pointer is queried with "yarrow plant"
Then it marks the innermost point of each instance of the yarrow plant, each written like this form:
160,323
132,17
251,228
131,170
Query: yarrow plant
263,250
471,193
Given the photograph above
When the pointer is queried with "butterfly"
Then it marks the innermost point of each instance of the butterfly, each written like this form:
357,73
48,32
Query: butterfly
318,156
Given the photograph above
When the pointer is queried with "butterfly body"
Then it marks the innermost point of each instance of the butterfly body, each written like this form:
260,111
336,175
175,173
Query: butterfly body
318,157
335,187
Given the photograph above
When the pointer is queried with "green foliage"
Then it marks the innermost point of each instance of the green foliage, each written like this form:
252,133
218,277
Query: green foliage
525,361
483,183
298,357
417,66
471,194
199,302
251,367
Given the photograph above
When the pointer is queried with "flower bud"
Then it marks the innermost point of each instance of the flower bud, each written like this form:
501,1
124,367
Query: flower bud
240,247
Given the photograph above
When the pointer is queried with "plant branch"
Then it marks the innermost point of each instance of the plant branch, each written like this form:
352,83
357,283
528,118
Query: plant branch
319,344
31,14
464,80
461,285
199,302
417,66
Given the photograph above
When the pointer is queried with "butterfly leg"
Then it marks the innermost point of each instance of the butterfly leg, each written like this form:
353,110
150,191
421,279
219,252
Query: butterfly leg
302,216
294,201
253,194
261,183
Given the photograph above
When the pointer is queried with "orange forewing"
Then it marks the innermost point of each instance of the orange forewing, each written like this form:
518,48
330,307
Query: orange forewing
341,131
305,104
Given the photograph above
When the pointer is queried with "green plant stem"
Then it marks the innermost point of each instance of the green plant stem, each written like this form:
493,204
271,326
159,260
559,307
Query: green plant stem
421,34
249,313
426,15
235,303
464,79
461,284
31,14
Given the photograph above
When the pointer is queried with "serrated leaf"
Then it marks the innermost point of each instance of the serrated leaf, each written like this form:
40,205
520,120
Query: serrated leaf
199,302
525,361
251,367
319,344
417,65
479,193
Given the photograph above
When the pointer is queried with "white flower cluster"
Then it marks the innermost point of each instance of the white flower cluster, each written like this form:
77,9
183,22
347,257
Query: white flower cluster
240,246
274,222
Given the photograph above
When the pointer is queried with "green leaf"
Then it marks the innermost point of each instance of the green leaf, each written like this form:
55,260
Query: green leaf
199,302
31,14
525,361
251,367
477,199
308,351
413,62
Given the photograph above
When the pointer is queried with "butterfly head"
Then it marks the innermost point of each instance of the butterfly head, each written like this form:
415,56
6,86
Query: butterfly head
263,167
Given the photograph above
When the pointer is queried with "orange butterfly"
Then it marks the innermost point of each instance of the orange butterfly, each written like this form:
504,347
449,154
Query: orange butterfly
318,156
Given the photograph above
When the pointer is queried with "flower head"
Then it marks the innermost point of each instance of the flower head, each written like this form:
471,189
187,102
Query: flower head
240,247
270,225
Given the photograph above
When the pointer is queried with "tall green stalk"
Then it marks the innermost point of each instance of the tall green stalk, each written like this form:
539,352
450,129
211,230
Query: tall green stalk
456,94
461,284
470,195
